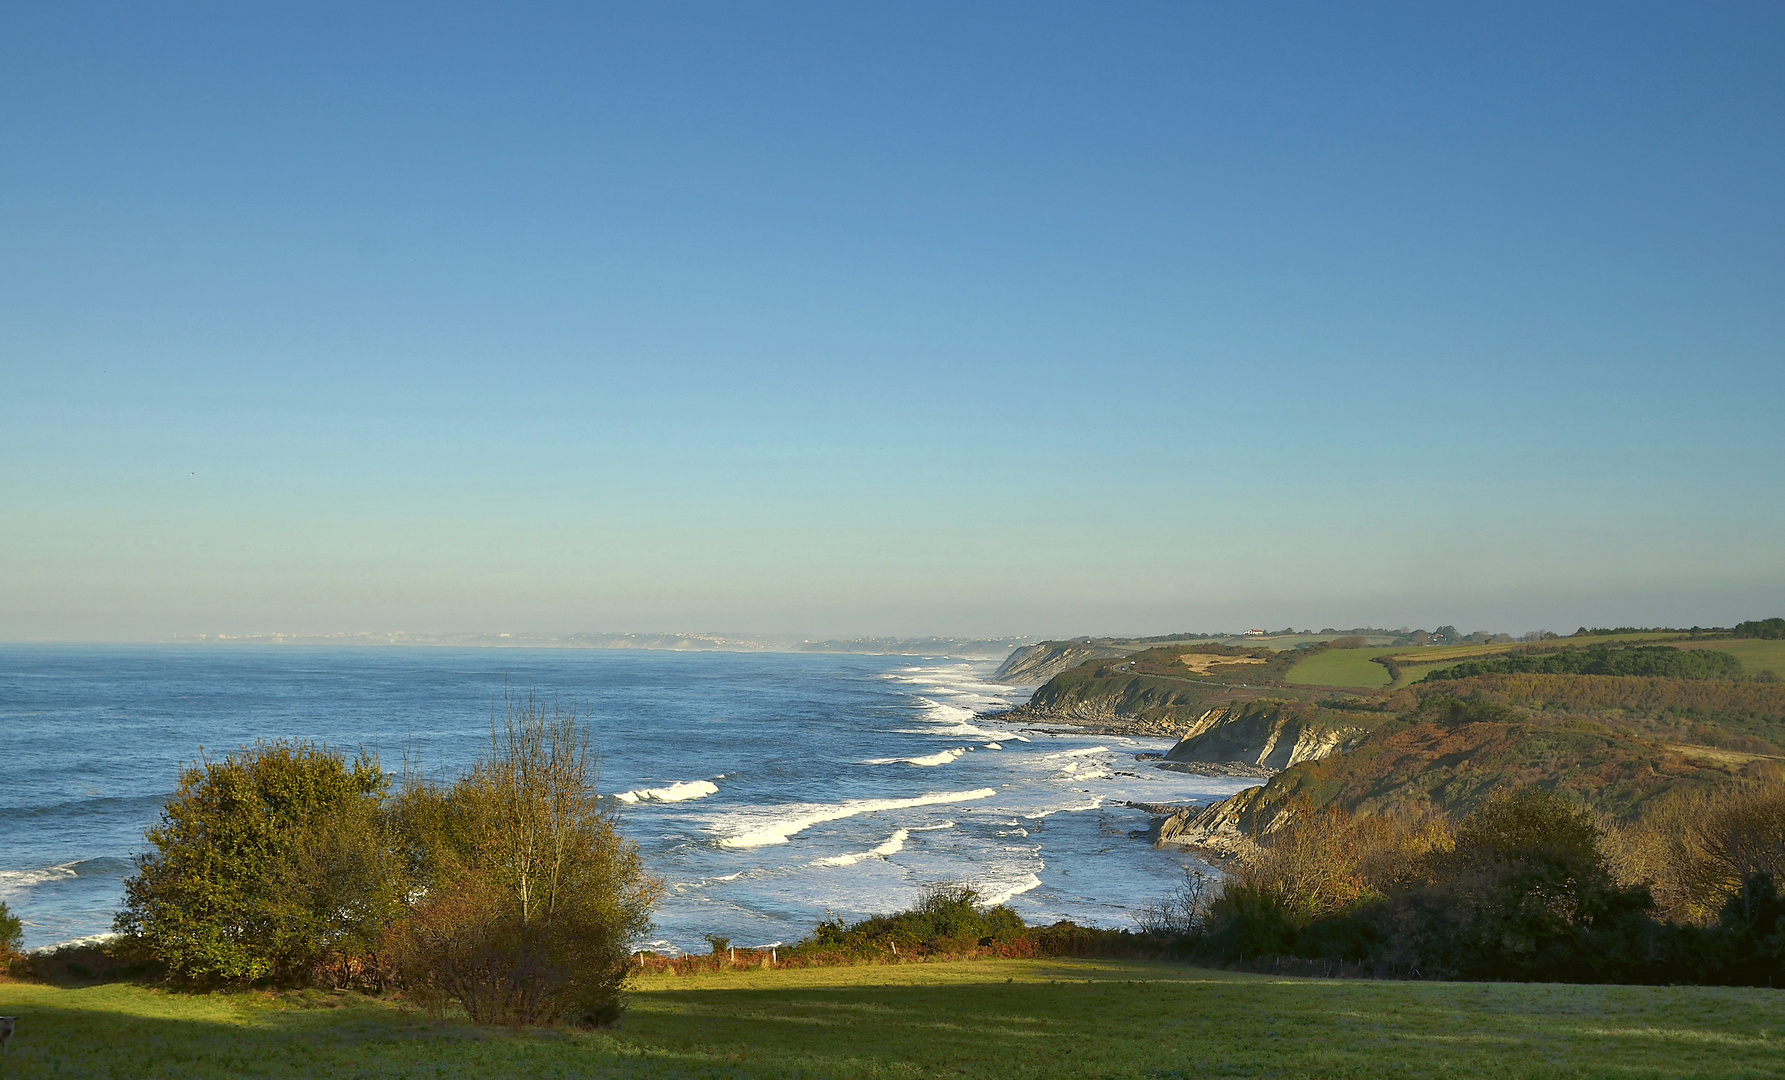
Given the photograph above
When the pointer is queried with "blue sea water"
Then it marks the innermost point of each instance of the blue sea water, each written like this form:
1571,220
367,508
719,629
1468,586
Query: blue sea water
768,790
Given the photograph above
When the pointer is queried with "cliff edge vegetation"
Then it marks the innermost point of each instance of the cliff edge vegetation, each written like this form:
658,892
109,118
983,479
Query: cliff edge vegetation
1619,745
1619,720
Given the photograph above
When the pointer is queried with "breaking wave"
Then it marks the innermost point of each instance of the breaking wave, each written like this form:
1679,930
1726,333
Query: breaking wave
1096,803
16,882
893,845
1001,891
940,758
778,831
692,789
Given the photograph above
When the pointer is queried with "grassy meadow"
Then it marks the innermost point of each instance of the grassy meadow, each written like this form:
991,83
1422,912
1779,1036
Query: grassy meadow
1353,669
1756,655
1023,1018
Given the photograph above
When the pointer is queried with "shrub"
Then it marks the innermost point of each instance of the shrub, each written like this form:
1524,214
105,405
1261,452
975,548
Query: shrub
1184,912
1522,895
1308,865
1743,837
263,865
1752,933
1698,851
532,899
1250,919
947,918
12,933
1395,846
1297,890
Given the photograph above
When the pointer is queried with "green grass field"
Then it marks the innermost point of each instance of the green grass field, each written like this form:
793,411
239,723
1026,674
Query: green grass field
1756,655
1060,1018
1350,668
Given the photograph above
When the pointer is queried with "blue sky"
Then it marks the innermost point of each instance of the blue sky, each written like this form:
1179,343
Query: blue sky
903,318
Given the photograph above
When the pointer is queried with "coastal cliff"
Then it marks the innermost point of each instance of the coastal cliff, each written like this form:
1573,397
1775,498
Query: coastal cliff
1448,755
1133,707
1271,735
1034,664
1613,743
1224,828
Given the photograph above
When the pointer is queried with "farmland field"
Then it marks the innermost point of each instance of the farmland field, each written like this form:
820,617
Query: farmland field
1351,668
1756,655
1059,1018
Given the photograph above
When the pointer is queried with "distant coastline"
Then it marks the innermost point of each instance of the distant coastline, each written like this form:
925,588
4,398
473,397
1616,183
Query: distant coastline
965,648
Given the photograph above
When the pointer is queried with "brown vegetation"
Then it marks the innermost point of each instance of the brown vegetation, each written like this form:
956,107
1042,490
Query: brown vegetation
532,898
1695,850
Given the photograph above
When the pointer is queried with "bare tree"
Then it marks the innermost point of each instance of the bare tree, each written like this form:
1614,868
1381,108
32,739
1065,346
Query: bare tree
540,786
535,899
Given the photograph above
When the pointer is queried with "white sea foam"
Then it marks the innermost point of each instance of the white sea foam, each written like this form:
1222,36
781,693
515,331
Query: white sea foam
931,828
969,731
663,946
77,943
1096,803
1081,753
806,815
941,758
692,789
893,845
14,882
1077,769
941,713
993,746
999,892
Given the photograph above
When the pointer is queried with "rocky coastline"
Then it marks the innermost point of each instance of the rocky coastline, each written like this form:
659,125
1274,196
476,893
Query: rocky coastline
1254,739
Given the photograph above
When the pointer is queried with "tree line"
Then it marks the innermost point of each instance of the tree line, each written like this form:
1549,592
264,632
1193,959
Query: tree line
1655,661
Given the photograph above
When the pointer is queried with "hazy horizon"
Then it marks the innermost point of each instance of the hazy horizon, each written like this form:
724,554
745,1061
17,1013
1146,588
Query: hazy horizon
825,321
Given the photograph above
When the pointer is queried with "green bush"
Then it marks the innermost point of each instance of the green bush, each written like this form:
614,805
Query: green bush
264,865
12,932
1249,919
947,918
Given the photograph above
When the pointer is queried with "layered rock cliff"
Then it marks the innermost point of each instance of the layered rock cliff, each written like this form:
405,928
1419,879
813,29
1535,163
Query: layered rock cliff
1268,734
1035,664
1449,756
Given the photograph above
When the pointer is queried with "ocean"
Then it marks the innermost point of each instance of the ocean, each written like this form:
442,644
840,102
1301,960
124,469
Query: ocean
768,790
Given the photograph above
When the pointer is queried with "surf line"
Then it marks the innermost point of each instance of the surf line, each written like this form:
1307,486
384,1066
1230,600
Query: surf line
778,832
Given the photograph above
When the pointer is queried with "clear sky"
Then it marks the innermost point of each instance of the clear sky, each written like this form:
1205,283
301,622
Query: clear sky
889,318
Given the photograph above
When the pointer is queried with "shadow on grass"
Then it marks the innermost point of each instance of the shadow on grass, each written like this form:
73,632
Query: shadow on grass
1056,1022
